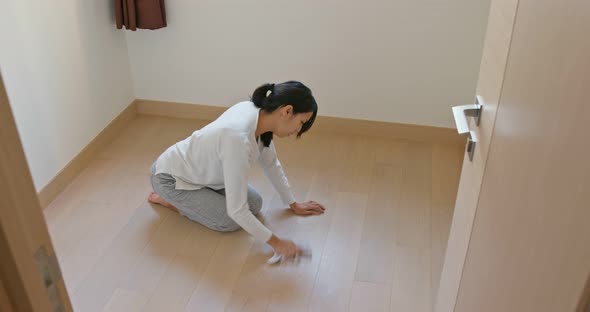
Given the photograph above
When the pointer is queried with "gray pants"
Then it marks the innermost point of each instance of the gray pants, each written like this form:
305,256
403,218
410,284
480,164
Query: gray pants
205,206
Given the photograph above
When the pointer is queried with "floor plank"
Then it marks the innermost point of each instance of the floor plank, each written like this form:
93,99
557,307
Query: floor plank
100,284
333,285
145,275
377,251
412,215
184,272
370,297
215,288
411,289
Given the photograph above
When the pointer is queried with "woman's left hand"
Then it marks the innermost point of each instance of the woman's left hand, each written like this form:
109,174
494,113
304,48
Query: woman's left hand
308,208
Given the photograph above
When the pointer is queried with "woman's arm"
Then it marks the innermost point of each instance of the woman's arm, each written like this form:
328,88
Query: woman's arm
234,158
274,172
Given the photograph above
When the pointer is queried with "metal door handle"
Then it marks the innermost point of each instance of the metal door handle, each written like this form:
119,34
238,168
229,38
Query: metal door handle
461,113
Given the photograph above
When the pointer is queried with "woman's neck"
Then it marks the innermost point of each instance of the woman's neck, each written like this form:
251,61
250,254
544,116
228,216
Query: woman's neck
264,124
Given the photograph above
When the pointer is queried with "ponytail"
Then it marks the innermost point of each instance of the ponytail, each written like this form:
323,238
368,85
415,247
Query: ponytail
259,97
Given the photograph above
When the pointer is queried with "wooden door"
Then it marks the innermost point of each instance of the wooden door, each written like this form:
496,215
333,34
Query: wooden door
529,247
29,273
489,87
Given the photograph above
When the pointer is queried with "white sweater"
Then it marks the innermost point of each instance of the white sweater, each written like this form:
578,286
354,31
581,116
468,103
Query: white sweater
220,156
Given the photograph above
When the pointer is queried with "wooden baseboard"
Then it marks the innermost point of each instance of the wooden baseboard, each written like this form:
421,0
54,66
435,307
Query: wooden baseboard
206,112
323,123
81,161
179,110
388,130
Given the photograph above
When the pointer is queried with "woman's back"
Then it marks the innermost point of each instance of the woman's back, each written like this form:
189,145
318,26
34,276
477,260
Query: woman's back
196,160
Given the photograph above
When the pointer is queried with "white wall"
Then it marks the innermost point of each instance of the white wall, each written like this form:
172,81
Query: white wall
66,68
403,61
67,75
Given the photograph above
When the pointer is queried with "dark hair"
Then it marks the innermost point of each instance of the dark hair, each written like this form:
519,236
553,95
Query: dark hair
292,93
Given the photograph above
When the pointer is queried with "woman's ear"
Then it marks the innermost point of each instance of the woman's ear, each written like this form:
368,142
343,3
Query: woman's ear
287,110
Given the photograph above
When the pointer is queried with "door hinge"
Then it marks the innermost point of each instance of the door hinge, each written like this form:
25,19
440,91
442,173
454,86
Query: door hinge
51,274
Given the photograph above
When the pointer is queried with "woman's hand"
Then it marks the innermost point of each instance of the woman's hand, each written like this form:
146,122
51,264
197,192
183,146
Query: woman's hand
307,208
284,247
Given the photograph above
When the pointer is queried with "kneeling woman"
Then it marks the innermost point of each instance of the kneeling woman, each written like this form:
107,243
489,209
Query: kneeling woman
204,177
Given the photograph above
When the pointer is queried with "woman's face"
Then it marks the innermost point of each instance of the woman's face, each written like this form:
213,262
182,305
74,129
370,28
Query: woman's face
290,123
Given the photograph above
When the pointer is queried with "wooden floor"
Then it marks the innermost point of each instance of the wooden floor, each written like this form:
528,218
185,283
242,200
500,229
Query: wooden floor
379,246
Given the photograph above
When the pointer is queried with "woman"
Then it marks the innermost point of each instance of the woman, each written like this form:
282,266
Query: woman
204,177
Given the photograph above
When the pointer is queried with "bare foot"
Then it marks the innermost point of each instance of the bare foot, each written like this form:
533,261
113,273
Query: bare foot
156,199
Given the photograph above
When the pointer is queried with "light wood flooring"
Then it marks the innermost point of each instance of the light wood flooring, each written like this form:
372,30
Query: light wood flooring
379,247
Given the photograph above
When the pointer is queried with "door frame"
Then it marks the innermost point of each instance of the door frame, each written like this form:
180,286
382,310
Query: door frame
584,304
30,276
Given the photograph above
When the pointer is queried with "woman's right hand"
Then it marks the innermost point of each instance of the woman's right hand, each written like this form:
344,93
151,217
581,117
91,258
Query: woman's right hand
284,247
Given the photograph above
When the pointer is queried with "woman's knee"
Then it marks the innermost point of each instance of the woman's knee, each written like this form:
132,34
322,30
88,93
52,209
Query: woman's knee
227,226
255,201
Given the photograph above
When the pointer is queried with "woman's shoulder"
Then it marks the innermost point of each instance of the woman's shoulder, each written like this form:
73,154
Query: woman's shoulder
240,118
241,108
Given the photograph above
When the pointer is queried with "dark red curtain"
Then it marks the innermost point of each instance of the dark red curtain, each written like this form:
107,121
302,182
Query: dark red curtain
143,14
